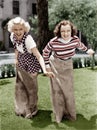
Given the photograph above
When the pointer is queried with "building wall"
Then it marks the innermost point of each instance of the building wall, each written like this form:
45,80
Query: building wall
24,6
7,9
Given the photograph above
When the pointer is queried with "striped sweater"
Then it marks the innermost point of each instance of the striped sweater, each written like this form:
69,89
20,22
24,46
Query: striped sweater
59,49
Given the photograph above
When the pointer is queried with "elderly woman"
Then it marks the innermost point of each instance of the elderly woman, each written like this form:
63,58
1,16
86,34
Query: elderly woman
28,63
58,58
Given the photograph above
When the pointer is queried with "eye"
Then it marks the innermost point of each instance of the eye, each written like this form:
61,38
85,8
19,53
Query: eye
62,31
68,30
15,29
21,29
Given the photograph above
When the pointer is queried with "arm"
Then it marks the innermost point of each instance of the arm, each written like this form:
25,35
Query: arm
82,47
46,55
16,57
39,58
41,61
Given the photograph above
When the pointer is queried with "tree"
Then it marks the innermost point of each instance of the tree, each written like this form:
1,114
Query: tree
43,28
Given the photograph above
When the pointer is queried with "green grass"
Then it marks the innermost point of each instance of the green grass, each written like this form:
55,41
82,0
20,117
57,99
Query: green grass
85,86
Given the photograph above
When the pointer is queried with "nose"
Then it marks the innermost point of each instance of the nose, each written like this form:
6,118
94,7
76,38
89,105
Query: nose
18,32
65,33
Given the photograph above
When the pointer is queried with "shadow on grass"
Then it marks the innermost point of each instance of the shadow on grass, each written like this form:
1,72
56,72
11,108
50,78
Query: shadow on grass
82,123
43,119
4,82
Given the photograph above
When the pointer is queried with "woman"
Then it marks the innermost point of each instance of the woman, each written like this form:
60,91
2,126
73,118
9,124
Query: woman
28,63
58,58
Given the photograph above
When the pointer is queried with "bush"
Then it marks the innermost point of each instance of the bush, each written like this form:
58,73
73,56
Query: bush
96,62
7,70
81,62
75,63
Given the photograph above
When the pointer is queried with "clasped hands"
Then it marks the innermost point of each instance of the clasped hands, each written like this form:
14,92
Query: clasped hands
49,73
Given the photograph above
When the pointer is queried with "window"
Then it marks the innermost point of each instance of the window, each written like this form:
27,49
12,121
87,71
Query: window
1,3
16,7
34,12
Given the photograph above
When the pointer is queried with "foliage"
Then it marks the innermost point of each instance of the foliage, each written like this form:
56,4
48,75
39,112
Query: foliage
7,70
4,22
82,62
33,22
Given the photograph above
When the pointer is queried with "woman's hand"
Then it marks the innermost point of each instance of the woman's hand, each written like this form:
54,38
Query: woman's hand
49,74
90,52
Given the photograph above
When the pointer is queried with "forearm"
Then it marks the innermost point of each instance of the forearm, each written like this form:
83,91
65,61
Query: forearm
41,61
16,56
39,58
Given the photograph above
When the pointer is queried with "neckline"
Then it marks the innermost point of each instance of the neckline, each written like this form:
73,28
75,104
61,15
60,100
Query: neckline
64,41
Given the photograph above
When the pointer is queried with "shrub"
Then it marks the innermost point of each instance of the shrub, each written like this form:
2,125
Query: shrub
7,70
81,62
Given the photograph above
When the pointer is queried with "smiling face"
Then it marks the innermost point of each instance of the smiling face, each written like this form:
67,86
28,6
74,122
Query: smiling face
65,31
19,30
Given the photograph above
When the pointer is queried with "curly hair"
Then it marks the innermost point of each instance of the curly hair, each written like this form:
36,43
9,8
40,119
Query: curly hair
18,20
64,22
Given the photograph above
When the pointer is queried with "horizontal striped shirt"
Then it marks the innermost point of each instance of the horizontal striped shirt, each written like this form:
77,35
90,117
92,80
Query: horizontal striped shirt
62,50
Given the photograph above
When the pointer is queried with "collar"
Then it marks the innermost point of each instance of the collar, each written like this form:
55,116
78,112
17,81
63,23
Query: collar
64,41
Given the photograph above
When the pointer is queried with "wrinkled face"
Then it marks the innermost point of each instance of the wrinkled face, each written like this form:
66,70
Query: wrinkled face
19,30
65,31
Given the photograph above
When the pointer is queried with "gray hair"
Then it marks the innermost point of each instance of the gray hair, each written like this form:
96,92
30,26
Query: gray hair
17,20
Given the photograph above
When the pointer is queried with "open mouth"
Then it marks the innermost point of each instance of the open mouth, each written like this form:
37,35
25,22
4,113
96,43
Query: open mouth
18,35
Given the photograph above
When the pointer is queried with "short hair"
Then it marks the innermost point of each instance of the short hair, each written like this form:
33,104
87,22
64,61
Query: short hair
64,22
18,20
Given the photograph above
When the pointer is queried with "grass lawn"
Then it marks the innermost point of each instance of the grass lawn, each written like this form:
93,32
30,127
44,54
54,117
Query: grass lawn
85,87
